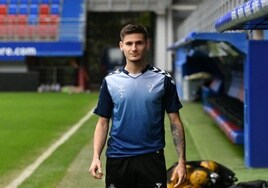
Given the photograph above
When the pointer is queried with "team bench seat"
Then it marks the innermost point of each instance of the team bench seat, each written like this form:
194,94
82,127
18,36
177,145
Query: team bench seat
226,110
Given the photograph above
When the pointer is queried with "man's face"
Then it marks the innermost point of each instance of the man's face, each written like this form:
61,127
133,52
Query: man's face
134,47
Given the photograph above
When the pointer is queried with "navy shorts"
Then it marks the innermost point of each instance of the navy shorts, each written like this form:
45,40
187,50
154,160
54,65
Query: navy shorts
142,171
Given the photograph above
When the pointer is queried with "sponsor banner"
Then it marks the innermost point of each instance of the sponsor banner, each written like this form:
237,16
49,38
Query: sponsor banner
18,50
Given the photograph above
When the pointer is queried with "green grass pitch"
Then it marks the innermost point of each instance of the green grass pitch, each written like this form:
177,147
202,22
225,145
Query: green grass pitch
31,122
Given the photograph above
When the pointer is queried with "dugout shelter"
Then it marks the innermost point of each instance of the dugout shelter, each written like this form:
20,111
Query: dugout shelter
252,16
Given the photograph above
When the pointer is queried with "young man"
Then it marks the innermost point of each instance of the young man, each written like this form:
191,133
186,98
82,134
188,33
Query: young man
136,98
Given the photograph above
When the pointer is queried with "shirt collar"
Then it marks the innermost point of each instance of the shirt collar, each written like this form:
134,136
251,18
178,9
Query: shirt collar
143,71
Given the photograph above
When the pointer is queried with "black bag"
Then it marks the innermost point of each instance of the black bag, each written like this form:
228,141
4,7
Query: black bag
205,174
251,184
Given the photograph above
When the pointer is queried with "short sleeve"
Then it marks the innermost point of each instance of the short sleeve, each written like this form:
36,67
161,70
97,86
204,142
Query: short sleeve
105,104
171,99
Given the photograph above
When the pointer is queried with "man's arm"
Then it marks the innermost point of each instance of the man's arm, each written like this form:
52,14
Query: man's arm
100,137
177,131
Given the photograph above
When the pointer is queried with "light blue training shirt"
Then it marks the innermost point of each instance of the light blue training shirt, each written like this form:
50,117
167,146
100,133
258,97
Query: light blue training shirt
136,106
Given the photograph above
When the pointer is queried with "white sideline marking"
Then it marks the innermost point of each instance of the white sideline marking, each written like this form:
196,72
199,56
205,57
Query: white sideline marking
32,167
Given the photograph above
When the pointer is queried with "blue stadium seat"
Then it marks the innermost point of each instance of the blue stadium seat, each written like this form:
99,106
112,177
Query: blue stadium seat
23,9
34,1
55,1
24,1
3,1
55,9
34,9
33,19
14,1
45,1
12,9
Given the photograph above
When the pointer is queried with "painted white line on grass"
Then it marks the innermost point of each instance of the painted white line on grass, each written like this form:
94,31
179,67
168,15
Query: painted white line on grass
32,167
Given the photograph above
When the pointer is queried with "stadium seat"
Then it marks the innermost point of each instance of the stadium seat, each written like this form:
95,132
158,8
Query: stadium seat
52,31
24,1
54,19
44,9
22,19
14,1
23,9
33,9
55,1
34,2
45,1
3,31
55,9
2,20
3,9
32,19
3,2
11,19
42,31
10,31
31,31
44,19
12,9
21,31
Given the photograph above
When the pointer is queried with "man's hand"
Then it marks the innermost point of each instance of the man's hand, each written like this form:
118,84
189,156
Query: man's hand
95,169
179,175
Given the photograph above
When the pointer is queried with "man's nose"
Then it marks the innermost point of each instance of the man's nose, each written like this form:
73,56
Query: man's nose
134,47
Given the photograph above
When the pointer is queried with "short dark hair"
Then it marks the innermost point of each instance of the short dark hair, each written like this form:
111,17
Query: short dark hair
134,28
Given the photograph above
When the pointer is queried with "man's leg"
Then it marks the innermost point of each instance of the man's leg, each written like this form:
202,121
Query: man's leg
152,171
119,173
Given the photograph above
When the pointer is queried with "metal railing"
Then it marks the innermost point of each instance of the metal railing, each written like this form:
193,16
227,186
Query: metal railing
127,5
203,19
71,29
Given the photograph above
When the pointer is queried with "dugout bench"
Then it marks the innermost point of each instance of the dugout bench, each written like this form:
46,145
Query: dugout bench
226,108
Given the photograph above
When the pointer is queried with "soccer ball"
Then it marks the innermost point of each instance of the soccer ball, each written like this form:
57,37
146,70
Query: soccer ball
211,165
199,177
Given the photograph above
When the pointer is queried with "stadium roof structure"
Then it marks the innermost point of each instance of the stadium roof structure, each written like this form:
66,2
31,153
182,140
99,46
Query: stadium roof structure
252,15
206,42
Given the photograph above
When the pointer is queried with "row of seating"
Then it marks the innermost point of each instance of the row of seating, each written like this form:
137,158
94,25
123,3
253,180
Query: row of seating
29,20
30,9
30,1
29,32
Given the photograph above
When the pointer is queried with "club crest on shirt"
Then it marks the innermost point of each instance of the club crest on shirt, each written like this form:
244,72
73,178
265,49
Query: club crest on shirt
122,91
150,87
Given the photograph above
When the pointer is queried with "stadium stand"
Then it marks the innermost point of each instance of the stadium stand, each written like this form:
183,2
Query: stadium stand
30,19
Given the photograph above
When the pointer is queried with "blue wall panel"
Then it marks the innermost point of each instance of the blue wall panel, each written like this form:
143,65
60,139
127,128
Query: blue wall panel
256,119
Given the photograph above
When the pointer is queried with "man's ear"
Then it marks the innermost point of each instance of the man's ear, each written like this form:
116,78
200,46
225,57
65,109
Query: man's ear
120,45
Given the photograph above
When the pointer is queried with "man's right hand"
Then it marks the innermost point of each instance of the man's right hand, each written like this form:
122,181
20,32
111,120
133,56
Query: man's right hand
95,169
